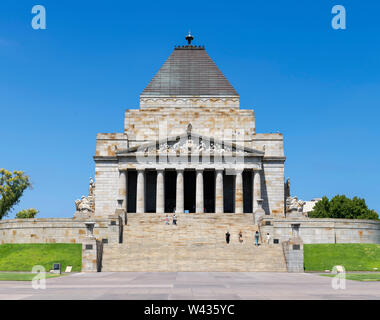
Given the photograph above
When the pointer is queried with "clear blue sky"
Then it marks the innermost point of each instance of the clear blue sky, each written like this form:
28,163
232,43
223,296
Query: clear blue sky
320,87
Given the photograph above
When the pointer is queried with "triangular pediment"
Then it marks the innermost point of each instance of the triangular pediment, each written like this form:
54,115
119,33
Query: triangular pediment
191,143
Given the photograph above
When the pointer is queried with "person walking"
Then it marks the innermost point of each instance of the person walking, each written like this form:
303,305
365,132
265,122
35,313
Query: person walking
166,220
174,219
257,236
240,237
268,237
227,237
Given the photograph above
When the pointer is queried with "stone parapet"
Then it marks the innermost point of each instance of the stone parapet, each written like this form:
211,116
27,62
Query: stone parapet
314,230
56,230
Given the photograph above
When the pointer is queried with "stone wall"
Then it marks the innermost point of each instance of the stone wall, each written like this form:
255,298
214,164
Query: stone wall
147,124
56,230
323,230
271,143
272,187
229,124
106,187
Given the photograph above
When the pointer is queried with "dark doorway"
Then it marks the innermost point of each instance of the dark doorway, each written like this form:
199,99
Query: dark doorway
131,191
229,192
209,190
150,190
189,190
247,191
170,190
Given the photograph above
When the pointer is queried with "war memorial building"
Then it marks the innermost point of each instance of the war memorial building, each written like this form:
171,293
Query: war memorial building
189,151
189,148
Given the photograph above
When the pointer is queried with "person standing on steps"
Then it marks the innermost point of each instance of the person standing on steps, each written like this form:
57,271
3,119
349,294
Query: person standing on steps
227,237
167,220
257,235
174,219
240,237
268,238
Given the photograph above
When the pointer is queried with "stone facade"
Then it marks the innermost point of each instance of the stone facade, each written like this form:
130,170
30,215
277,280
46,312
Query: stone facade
228,155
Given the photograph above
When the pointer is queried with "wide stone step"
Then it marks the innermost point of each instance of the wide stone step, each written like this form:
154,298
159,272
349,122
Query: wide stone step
196,243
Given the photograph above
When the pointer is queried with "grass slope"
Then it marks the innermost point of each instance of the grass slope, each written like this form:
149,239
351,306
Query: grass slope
353,256
22,257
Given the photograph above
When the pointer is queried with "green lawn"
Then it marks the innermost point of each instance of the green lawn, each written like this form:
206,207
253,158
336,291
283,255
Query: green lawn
359,276
22,257
354,257
15,276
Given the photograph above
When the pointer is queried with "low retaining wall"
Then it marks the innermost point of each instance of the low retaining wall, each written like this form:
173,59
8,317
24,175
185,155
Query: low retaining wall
91,233
57,230
314,230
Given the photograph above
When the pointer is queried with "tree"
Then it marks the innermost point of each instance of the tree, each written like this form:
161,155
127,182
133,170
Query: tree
27,213
12,186
341,207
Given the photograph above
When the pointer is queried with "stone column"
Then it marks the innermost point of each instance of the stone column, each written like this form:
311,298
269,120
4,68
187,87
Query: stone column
123,189
256,188
199,201
179,193
140,192
239,191
160,192
219,205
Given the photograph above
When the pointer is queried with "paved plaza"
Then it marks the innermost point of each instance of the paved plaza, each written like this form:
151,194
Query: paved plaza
190,285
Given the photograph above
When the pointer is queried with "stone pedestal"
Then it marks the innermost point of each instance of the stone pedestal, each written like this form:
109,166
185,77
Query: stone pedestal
83,215
294,213
122,213
89,255
293,251
258,212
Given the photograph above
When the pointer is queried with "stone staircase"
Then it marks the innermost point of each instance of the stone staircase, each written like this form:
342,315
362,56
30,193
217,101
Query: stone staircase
197,243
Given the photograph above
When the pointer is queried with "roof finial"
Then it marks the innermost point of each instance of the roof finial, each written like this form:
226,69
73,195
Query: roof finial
189,38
